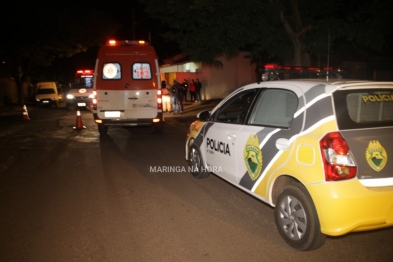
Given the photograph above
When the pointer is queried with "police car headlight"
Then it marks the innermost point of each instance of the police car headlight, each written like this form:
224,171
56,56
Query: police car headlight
265,77
69,96
91,96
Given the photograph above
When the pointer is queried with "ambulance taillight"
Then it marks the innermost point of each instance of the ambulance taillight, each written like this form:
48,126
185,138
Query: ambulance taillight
159,99
338,160
94,100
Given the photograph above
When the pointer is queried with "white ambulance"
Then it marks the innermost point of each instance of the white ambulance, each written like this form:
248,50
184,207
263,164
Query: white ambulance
80,95
127,86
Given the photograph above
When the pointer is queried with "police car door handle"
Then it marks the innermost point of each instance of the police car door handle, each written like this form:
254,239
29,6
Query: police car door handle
127,85
282,144
231,136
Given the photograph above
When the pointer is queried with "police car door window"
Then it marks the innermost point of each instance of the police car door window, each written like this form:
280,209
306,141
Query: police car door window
276,108
235,110
111,71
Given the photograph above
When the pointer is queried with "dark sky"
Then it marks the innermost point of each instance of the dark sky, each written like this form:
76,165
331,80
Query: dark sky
126,13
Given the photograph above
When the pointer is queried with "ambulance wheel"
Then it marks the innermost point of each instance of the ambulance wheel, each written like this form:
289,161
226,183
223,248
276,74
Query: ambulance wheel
158,127
195,163
102,129
297,220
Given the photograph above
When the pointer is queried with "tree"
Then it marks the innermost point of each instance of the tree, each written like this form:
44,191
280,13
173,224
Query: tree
288,30
37,35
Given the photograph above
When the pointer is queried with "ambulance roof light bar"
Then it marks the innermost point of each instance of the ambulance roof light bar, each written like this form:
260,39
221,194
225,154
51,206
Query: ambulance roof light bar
113,42
85,72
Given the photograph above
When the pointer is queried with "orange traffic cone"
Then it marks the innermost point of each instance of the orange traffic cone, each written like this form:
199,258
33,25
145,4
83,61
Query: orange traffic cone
25,114
79,123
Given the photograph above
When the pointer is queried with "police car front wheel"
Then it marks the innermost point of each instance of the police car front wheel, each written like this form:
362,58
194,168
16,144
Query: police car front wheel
297,220
195,163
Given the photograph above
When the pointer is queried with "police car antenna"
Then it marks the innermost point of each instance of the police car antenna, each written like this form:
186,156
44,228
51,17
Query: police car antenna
327,69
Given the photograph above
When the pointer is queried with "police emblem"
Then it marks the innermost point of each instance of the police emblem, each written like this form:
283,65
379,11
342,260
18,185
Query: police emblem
252,156
376,155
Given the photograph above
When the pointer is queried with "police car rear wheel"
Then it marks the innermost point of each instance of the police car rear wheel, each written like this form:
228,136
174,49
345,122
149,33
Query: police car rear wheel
195,163
296,219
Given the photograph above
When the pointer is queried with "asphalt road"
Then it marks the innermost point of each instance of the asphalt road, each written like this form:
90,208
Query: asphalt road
69,195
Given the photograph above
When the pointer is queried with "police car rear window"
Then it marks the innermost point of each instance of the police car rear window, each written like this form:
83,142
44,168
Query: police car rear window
364,108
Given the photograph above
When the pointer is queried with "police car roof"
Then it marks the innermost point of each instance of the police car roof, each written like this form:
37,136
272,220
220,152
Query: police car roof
331,85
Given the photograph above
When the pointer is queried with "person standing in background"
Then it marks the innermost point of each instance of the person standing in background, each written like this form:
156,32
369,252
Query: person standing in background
180,98
184,87
192,90
166,96
198,87
175,89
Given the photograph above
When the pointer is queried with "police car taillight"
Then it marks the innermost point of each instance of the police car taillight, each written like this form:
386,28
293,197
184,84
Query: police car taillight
338,160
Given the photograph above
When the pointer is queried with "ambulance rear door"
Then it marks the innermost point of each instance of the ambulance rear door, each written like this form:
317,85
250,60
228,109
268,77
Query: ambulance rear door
129,82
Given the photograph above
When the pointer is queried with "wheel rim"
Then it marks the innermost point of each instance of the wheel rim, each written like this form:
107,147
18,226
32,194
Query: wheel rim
194,159
292,218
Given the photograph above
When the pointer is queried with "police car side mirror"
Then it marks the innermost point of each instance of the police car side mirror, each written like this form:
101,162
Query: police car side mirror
204,115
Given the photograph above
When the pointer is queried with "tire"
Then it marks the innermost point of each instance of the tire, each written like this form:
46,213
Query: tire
297,220
158,128
102,129
195,163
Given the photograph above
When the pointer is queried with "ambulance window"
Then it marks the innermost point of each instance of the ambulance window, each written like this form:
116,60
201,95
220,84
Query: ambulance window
141,71
275,107
111,71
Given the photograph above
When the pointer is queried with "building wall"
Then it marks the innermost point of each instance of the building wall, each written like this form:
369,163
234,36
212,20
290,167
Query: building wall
218,82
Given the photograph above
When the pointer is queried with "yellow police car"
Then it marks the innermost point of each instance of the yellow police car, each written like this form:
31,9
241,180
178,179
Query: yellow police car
317,150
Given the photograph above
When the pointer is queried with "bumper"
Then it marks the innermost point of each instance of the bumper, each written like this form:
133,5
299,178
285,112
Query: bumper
128,122
79,102
48,102
348,206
